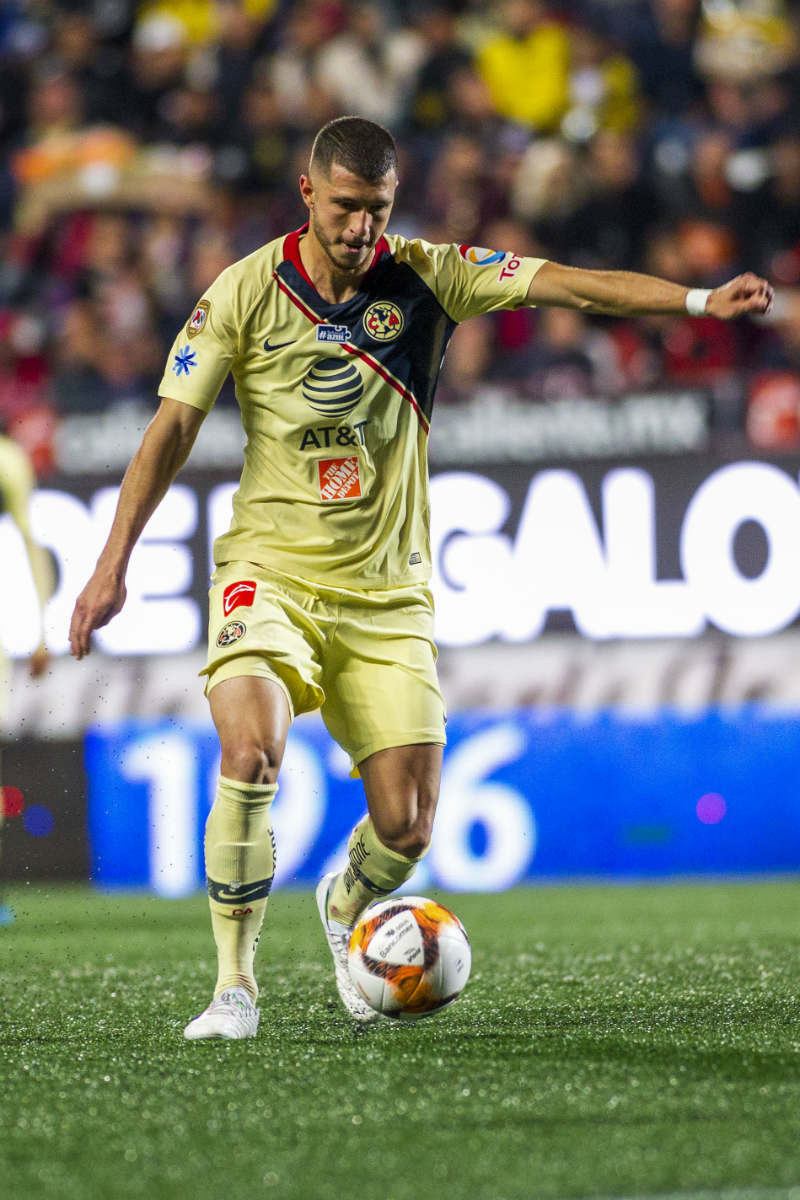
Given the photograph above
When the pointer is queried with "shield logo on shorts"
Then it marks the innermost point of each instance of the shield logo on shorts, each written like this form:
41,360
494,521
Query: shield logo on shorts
231,633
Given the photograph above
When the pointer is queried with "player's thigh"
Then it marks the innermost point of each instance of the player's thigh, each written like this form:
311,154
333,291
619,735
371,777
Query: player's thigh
402,789
380,682
252,718
261,627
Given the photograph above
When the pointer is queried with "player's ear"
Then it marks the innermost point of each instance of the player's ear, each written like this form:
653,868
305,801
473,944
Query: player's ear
307,190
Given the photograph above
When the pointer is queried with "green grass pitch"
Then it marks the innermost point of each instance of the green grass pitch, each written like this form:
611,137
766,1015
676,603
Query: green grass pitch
613,1041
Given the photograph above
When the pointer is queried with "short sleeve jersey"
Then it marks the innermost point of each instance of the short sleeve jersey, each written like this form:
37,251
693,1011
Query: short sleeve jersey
336,400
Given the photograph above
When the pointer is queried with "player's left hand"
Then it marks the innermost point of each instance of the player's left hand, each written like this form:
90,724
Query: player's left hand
746,293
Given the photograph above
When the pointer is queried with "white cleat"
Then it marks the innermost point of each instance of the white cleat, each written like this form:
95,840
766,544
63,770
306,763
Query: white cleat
231,1014
338,936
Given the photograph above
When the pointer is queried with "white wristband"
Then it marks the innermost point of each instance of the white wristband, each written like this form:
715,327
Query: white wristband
696,300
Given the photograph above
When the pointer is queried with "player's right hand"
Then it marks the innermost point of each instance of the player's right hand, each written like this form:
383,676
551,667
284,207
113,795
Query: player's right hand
746,293
100,600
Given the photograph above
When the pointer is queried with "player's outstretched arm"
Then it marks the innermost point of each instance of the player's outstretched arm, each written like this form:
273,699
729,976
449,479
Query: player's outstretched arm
165,447
628,294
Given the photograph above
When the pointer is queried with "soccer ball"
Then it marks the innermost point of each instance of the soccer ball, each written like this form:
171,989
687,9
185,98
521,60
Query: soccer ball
409,957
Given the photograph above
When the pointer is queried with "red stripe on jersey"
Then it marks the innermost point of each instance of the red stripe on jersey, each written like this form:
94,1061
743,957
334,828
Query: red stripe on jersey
390,379
362,354
296,301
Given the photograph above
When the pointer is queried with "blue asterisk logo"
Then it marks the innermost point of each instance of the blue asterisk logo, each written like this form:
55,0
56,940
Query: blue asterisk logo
185,359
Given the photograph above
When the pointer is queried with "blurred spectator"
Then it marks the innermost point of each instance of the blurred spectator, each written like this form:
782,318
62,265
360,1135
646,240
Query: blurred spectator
526,65
160,51
468,359
444,55
769,213
568,357
302,100
603,87
745,42
461,195
207,21
98,70
549,186
660,36
609,228
708,250
254,154
24,373
368,67
231,61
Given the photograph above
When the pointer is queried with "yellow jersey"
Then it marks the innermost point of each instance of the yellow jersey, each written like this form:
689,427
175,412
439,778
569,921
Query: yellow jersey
336,400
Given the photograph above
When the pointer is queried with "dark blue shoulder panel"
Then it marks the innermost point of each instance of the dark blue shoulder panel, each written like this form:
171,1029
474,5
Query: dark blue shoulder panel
391,294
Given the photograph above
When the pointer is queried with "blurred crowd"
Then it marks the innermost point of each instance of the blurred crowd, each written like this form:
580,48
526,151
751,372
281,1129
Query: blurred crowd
146,146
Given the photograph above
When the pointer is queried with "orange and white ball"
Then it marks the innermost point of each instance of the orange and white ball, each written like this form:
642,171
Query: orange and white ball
409,957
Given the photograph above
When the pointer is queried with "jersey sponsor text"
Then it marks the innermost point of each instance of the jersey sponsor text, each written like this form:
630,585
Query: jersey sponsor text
322,437
339,478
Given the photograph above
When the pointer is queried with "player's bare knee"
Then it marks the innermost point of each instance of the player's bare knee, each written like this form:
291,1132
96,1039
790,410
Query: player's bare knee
410,837
251,761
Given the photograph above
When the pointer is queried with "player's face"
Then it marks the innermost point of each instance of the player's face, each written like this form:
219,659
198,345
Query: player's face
347,215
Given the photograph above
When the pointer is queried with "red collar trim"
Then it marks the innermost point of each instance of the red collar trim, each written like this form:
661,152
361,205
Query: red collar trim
291,252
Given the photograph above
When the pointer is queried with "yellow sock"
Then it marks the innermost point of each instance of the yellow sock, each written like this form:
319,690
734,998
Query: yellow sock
240,864
374,871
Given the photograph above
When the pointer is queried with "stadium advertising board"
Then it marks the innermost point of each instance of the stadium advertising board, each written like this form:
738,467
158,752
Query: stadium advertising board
523,798
657,548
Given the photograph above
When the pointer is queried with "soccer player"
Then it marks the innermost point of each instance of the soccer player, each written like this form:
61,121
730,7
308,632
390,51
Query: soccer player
16,484
334,335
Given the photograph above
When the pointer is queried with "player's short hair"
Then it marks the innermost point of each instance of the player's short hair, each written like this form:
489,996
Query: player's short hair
359,145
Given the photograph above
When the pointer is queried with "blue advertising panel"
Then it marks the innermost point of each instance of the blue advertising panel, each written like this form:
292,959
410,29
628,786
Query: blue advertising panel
524,797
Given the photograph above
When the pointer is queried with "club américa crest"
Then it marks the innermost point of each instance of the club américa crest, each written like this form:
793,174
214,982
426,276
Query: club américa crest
383,321
231,633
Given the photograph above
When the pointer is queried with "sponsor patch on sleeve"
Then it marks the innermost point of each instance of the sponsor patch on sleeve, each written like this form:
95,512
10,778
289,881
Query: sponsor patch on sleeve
198,318
479,256
238,595
339,478
510,268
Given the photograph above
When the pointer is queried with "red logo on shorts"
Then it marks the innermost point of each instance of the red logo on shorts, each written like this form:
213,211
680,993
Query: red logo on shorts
238,595
339,478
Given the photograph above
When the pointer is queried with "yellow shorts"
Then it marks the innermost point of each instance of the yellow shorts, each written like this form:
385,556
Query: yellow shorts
366,659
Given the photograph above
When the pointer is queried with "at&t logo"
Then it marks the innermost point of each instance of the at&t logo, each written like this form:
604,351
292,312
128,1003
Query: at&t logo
333,387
